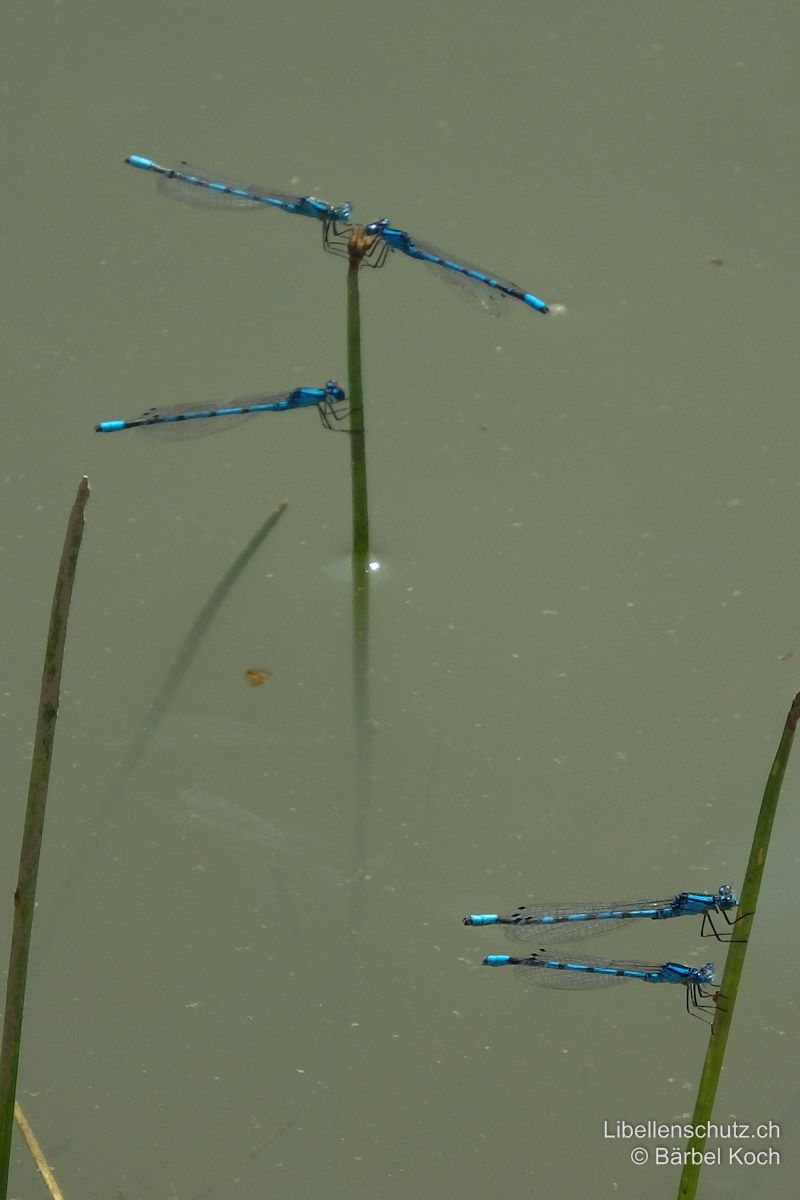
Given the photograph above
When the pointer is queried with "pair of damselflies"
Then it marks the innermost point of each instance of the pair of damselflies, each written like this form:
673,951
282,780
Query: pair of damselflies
572,922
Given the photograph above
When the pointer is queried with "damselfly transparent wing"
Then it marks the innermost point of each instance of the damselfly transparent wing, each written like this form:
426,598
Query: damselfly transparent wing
202,189
199,426
564,979
488,299
532,928
557,935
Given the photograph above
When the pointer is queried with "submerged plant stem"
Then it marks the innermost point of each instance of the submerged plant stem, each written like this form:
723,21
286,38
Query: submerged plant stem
37,1154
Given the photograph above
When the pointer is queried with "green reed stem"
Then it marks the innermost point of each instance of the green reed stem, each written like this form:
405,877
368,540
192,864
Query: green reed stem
358,445
25,893
361,698
729,987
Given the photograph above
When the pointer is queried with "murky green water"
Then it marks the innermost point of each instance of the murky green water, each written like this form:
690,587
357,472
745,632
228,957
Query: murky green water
583,648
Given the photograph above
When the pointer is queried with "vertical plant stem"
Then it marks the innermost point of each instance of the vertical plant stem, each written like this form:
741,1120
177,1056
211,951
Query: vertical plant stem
729,987
25,893
361,700
358,446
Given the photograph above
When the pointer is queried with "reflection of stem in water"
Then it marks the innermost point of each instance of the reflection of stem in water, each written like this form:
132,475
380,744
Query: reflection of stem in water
229,1177
116,792
299,950
220,817
362,783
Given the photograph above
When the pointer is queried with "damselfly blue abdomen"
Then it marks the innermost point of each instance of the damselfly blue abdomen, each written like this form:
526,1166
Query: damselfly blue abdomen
552,970
378,238
196,186
573,922
192,419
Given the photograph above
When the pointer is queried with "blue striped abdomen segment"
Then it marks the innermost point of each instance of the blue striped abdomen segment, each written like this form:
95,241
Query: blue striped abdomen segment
567,922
